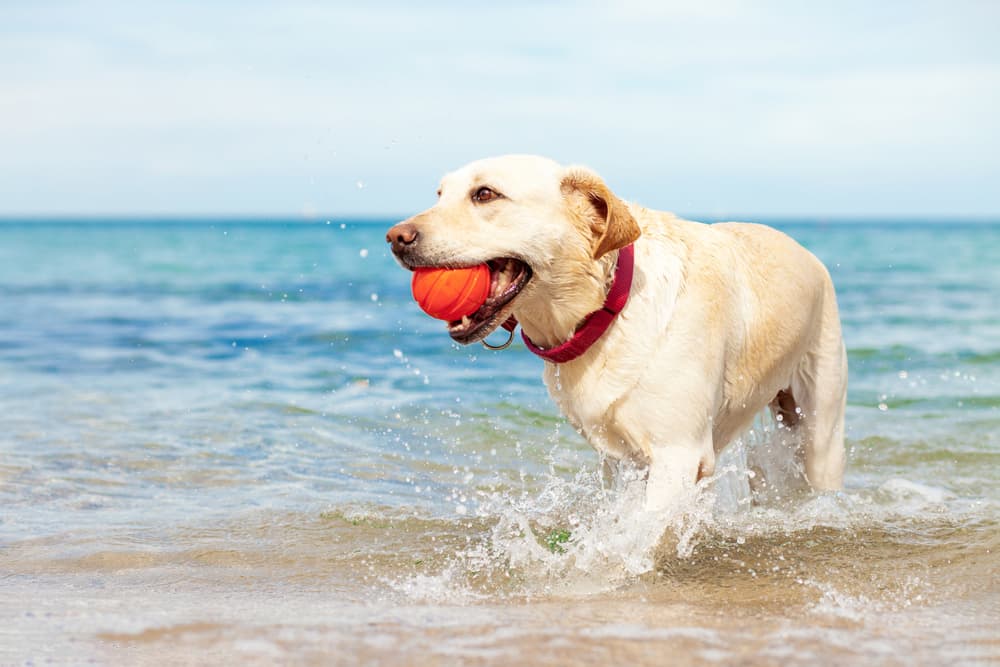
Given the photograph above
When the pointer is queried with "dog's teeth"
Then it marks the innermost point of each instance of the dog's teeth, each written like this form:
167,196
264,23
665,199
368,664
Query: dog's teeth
465,320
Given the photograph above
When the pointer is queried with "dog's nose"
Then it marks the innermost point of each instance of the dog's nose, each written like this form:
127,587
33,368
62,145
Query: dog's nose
402,235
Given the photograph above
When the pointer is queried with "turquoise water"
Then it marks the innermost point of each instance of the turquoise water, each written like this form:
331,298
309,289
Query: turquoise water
192,406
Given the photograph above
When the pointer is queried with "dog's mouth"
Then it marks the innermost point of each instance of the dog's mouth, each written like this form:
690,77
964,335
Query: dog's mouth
508,277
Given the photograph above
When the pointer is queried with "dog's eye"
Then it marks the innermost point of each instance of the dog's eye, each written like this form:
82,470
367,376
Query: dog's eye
483,195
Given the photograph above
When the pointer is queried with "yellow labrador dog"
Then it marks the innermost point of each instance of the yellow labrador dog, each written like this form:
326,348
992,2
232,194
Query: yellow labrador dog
663,338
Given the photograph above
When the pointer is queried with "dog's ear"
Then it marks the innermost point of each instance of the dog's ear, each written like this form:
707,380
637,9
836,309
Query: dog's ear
607,217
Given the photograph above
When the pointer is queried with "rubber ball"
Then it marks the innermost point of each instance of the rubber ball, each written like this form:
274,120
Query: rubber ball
448,294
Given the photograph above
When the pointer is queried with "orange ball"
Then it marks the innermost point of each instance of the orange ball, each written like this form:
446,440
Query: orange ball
448,294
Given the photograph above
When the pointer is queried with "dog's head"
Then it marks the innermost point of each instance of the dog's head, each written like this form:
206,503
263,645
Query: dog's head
540,227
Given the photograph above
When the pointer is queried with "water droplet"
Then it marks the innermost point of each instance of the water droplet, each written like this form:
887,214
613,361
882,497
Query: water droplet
363,253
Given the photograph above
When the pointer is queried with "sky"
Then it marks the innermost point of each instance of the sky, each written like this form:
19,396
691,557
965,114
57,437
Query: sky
325,109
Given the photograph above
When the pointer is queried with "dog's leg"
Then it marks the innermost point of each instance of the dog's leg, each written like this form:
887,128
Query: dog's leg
675,469
820,389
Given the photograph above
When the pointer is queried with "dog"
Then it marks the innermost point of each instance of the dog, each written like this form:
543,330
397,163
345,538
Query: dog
712,324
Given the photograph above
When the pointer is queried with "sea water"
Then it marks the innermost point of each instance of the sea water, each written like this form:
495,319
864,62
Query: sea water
241,440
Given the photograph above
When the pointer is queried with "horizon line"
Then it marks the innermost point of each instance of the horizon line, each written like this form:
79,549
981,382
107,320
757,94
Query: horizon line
292,218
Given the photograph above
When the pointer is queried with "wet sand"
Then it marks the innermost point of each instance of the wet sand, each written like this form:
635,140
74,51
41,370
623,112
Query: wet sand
336,589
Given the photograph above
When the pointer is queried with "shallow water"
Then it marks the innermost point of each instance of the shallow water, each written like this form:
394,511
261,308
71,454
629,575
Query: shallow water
243,440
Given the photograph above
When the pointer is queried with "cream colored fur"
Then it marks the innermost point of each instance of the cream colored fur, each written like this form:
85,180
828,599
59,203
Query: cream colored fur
721,318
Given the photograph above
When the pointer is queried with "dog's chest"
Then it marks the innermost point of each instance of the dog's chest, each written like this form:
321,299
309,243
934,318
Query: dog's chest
597,390
588,400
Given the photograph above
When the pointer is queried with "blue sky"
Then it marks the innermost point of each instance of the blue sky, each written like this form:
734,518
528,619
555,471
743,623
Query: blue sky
720,109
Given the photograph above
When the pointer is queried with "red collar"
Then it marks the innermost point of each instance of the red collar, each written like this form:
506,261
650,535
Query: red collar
595,324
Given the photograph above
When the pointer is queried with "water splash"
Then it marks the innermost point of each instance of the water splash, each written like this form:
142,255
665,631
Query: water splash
586,534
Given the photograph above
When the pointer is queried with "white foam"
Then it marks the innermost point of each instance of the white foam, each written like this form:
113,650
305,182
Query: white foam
903,489
443,588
